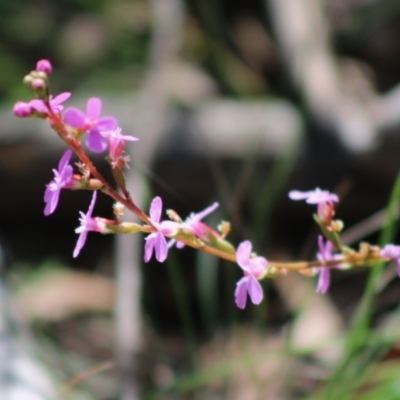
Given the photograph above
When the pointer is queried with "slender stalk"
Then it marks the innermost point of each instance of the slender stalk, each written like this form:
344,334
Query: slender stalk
58,126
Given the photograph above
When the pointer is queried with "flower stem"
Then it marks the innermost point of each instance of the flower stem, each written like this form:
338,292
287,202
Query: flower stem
58,126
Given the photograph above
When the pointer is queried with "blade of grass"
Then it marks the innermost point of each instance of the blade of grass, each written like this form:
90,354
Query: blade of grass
342,381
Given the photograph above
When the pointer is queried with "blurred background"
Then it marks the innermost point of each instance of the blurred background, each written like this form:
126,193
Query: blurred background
236,102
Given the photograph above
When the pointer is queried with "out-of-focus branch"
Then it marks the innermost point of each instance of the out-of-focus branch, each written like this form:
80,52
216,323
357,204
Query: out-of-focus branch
21,375
150,115
302,31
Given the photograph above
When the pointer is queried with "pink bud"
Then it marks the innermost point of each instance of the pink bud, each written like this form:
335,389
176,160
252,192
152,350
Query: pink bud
22,109
38,84
44,66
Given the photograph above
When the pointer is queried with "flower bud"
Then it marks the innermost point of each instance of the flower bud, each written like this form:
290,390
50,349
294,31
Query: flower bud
118,209
44,66
336,226
22,109
28,79
38,84
224,227
174,216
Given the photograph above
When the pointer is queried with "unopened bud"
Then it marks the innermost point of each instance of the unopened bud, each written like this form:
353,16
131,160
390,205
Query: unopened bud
224,227
22,109
308,271
44,66
38,84
336,226
28,79
118,209
274,272
174,216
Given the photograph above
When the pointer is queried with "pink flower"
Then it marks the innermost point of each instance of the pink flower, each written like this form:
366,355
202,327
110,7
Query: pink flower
254,268
87,224
325,254
156,242
91,122
322,198
193,223
392,252
55,103
117,145
62,179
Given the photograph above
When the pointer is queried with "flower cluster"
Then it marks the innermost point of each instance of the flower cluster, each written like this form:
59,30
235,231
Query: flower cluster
103,132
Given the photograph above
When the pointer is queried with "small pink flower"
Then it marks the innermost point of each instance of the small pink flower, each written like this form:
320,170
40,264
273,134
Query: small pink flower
392,252
322,198
254,268
88,223
62,179
325,254
117,145
55,103
193,223
156,242
92,123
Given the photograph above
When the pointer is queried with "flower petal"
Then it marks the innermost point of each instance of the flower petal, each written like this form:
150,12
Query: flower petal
92,203
93,108
107,123
319,196
315,196
64,161
241,293
160,247
200,215
243,254
149,247
51,198
324,280
74,117
80,243
39,106
85,224
60,98
255,290
298,195
156,209
95,142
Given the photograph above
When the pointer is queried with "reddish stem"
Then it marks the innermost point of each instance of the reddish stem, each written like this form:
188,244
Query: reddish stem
57,124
